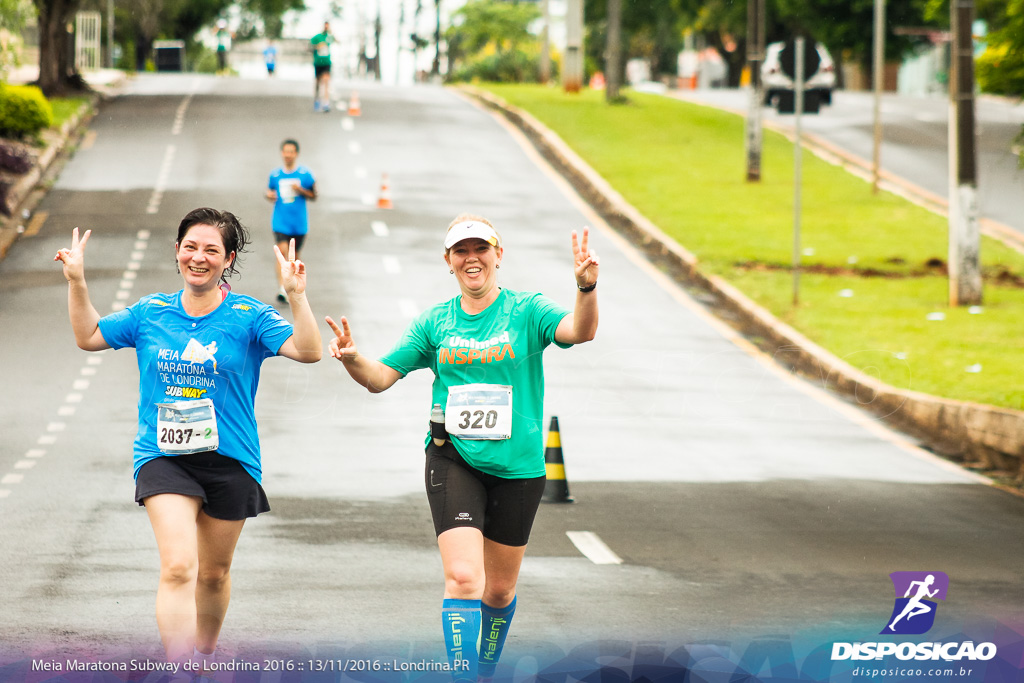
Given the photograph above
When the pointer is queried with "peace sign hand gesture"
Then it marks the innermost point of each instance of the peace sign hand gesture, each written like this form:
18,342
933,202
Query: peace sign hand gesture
293,272
585,262
342,345
74,258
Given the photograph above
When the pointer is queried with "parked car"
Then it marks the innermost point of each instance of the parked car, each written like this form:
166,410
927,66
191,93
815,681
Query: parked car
776,82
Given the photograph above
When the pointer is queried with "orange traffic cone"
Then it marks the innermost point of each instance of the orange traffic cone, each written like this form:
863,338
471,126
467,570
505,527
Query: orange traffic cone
384,202
556,488
353,105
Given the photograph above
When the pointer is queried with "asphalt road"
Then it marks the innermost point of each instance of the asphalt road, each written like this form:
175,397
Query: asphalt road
915,140
743,503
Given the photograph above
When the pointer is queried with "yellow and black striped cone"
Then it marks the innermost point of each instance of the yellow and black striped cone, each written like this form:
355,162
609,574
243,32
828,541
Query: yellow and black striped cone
556,488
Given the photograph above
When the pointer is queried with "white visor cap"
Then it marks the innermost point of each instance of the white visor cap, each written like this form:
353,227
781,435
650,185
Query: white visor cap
469,229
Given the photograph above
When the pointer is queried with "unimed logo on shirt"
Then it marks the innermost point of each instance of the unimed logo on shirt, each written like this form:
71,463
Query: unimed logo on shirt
467,351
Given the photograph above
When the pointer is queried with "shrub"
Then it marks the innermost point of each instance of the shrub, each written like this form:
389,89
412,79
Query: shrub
24,111
1000,70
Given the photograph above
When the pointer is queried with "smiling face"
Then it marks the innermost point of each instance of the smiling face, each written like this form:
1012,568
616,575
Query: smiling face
202,258
289,154
475,264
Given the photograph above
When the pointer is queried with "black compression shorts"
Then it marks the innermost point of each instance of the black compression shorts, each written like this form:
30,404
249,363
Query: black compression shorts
461,495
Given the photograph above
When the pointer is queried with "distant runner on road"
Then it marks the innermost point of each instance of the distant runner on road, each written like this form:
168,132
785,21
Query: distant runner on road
485,469
289,187
197,460
321,46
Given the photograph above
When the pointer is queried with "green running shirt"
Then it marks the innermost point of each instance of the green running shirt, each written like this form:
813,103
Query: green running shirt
504,344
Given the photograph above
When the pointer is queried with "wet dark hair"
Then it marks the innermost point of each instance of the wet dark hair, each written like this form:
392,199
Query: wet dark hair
232,232
289,141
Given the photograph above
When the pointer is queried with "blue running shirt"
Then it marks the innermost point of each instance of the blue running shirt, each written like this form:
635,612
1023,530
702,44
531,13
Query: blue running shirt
502,344
215,356
290,216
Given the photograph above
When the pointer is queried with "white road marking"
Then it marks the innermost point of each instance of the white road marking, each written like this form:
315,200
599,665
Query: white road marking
122,294
380,228
117,306
80,384
408,308
134,265
161,184
94,360
347,123
142,234
179,116
391,265
12,479
141,244
66,411
361,172
47,440
354,147
137,255
35,453
593,548
4,493
88,372
24,464
369,199
73,398
55,427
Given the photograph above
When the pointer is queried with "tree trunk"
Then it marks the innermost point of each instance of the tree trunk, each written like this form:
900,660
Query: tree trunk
56,67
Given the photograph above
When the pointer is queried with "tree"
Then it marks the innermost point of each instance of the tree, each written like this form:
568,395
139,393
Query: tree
495,36
14,14
650,30
57,73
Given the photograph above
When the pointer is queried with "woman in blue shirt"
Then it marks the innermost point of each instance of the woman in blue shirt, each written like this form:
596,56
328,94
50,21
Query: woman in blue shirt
197,457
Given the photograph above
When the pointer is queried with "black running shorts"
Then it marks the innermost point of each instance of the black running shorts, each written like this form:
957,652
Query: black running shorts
281,237
227,490
461,495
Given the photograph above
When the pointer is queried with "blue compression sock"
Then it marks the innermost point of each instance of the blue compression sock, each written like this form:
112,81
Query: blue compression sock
460,620
492,634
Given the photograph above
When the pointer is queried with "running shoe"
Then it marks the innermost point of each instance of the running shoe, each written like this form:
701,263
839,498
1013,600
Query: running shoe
282,295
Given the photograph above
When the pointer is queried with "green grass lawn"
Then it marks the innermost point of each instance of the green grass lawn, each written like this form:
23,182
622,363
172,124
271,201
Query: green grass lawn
64,108
682,166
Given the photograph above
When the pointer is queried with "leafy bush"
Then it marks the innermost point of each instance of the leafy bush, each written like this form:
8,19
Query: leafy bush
1000,70
24,111
506,67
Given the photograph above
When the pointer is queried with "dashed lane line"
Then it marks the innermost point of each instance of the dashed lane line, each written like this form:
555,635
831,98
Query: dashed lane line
593,548
88,369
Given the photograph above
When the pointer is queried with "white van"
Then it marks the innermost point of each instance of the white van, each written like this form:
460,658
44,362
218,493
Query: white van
775,81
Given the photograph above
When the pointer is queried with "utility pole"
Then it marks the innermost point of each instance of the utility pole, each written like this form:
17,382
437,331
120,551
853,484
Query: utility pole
398,53
545,44
612,51
435,69
879,78
755,57
376,44
110,34
965,285
572,64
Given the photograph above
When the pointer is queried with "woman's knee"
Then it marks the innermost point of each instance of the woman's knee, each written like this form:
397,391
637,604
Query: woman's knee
464,579
499,593
178,570
214,576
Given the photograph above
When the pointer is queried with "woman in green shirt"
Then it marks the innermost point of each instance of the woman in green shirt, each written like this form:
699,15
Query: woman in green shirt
484,474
